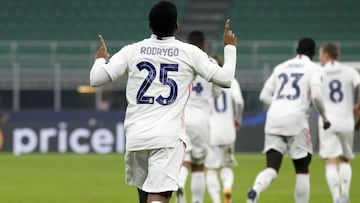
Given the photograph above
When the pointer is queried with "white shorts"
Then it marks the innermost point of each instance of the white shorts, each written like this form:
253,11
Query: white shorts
155,170
220,156
297,146
198,140
334,144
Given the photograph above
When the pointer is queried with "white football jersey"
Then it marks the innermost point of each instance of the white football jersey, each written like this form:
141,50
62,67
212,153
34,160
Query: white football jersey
160,73
340,82
290,84
226,109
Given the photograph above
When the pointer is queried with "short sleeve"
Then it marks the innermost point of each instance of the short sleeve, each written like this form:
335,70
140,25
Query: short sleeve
117,64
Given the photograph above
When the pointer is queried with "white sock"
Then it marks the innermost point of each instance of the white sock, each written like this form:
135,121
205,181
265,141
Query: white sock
264,179
198,186
345,174
227,178
184,172
213,186
155,202
302,188
333,181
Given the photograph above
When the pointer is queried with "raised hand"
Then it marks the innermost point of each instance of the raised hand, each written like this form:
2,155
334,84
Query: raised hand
229,36
102,52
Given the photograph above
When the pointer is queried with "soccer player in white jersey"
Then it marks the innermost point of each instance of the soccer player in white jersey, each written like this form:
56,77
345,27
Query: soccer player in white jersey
197,125
289,92
336,143
160,70
225,120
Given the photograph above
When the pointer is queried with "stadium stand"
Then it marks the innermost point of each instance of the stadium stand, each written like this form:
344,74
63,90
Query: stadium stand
118,20
289,20
76,20
40,33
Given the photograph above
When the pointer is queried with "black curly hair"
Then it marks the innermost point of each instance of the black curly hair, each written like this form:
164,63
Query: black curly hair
163,19
306,46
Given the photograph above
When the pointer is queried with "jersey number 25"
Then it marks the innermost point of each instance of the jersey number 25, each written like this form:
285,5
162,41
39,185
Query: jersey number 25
164,69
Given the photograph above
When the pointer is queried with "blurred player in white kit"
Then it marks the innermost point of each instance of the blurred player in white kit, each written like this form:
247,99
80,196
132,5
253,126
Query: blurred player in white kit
289,92
224,121
336,143
197,125
160,71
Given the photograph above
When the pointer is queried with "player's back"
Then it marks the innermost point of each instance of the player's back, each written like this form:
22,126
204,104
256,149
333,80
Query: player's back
160,73
222,119
291,100
339,84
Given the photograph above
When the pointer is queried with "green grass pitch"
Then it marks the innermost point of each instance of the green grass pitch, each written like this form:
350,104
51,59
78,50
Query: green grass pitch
70,178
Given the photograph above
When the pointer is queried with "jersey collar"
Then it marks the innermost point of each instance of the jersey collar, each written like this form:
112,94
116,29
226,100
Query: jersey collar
330,63
302,57
154,37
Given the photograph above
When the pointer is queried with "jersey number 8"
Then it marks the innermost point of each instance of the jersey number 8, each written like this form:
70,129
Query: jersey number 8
336,95
164,69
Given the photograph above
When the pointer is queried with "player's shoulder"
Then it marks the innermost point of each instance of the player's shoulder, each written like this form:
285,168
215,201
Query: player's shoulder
280,67
143,42
351,72
311,65
186,46
347,68
284,64
134,45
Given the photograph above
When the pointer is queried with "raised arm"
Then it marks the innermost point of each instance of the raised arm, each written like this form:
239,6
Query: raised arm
104,69
213,72
226,75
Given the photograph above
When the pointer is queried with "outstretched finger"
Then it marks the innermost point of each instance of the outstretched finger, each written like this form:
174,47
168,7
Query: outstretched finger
102,42
227,25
